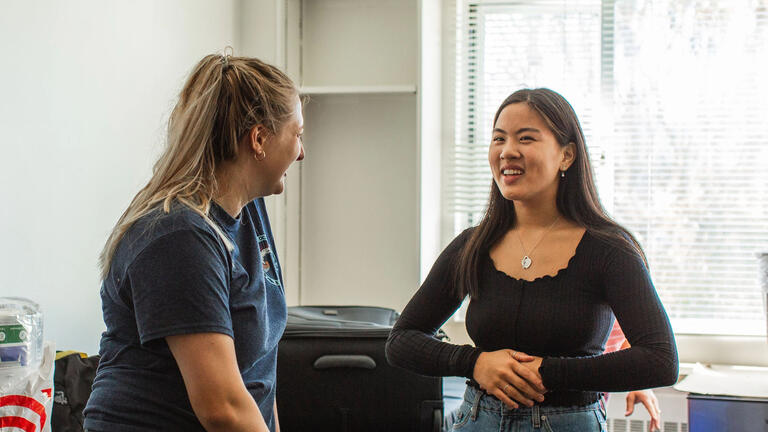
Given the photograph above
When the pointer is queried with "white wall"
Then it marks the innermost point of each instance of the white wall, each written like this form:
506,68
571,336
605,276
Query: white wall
85,89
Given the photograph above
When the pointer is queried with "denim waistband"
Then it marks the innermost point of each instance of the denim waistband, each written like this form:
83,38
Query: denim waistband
480,400
561,398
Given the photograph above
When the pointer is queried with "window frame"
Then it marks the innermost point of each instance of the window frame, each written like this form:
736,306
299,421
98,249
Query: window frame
692,348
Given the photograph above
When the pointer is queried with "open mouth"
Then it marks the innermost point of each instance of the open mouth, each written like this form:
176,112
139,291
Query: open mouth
511,175
513,172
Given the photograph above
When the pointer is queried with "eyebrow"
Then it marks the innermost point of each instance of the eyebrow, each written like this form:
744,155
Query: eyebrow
519,131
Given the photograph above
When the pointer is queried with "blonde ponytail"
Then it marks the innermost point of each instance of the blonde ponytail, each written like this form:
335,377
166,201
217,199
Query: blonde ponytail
223,99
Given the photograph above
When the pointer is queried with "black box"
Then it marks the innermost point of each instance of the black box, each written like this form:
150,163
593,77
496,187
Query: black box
332,375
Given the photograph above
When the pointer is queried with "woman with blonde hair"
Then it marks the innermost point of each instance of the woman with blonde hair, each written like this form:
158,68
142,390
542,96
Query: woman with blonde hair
192,291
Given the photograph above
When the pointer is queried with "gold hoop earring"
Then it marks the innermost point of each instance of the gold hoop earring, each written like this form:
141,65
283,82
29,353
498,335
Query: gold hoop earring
260,155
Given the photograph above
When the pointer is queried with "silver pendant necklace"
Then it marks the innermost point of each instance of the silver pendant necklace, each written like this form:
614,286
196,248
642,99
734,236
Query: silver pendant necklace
526,262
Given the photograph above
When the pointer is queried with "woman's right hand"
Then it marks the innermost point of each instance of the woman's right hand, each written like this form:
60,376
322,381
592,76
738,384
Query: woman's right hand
502,374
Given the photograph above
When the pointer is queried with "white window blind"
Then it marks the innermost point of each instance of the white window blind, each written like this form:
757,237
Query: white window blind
673,99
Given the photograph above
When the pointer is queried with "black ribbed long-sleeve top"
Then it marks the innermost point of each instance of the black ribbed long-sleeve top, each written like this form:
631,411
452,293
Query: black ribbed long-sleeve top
566,319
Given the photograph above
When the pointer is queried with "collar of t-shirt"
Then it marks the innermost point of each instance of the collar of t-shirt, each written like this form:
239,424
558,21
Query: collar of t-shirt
225,221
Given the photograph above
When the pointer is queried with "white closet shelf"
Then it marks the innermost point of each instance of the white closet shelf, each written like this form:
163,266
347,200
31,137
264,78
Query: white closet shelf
352,90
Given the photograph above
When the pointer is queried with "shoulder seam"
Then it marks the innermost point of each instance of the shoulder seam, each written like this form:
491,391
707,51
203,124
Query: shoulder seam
217,240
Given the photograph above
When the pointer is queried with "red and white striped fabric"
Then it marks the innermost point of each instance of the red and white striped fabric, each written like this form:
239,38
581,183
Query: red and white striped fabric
616,339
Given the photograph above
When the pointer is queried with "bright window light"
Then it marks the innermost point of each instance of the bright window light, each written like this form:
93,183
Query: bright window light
673,99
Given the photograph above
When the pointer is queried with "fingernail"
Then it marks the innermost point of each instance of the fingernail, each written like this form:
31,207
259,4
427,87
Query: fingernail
540,398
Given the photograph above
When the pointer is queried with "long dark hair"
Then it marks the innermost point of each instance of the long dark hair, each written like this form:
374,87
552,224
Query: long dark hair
577,198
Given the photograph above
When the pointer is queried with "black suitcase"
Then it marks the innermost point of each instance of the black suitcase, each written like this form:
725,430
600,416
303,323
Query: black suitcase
332,375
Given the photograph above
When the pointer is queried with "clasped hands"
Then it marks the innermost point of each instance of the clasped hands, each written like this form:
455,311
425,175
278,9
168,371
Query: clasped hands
513,377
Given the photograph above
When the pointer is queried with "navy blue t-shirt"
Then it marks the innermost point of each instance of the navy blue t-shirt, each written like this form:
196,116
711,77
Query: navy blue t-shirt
172,274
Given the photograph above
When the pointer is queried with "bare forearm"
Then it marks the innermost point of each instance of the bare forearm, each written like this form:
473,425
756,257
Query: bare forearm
277,421
240,415
218,396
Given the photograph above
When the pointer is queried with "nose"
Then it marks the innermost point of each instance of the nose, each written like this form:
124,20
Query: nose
509,151
301,153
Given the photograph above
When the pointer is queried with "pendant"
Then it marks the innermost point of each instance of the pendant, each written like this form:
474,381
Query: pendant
526,262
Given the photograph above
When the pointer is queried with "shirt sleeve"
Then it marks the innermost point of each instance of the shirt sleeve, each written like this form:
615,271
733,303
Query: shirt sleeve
651,361
179,285
412,343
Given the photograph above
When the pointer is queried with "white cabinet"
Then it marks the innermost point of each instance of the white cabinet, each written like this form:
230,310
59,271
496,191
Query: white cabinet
359,42
359,200
357,236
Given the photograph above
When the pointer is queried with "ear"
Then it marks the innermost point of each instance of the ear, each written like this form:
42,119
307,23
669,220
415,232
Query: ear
256,139
569,155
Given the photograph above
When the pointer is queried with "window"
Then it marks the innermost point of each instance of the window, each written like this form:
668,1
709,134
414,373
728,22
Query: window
673,100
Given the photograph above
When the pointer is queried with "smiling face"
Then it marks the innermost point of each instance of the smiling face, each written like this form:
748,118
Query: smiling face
282,149
524,155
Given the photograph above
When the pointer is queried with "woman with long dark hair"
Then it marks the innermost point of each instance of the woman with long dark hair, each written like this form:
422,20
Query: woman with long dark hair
546,271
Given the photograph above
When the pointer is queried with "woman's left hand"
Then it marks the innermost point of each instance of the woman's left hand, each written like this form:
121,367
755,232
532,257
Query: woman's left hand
502,374
533,365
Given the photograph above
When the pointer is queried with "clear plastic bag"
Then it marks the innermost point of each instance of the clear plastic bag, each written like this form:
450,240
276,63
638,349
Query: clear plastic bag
26,367
21,333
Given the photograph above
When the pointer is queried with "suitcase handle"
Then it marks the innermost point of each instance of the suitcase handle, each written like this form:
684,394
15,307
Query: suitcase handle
344,361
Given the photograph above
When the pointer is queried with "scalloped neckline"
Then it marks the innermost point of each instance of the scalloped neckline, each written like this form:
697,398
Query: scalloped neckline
544,277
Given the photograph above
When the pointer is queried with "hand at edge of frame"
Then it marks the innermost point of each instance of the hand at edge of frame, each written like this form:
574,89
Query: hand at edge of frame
651,403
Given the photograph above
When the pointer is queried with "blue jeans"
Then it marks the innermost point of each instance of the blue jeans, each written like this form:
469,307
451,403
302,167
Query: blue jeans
483,413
